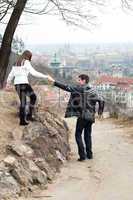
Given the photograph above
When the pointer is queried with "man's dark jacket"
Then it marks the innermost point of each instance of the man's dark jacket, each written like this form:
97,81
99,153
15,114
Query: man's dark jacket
82,101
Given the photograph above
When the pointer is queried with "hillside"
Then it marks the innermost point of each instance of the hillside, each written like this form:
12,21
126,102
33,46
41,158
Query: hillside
29,156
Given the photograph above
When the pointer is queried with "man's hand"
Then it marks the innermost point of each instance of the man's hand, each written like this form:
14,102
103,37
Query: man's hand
51,80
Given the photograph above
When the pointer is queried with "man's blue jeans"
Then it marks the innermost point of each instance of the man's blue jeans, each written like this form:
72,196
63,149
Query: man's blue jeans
86,126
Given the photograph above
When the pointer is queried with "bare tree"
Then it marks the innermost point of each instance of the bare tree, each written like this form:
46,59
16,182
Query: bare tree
5,7
127,4
5,49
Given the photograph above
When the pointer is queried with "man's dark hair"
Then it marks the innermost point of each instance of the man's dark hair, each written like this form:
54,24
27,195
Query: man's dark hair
84,77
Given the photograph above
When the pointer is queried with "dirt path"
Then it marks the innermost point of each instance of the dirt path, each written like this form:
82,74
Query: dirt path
109,176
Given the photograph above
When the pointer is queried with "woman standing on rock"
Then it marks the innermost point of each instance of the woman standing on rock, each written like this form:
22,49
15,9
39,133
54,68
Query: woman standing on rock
19,75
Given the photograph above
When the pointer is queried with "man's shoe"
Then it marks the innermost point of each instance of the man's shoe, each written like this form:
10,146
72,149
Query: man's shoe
89,156
81,159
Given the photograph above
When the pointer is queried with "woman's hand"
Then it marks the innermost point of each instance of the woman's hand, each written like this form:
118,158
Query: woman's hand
8,87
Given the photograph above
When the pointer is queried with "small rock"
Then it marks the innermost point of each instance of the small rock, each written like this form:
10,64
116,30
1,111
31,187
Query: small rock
21,149
43,165
9,160
8,186
60,156
38,176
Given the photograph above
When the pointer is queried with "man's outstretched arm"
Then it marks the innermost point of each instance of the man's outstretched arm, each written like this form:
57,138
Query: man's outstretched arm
68,88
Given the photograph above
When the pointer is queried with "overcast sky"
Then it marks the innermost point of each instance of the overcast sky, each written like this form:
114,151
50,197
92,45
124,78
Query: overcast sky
115,26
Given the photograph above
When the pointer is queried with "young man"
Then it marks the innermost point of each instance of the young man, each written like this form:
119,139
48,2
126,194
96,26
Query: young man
82,104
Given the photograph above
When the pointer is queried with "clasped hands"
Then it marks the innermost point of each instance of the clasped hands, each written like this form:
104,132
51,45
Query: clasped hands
50,79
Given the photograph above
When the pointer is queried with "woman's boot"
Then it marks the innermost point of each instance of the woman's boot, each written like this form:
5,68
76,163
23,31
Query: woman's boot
22,117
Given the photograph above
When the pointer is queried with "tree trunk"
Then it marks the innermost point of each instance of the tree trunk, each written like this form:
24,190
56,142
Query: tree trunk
5,49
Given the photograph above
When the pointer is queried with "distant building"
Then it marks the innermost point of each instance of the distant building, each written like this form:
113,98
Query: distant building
55,65
117,71
117,89
60,68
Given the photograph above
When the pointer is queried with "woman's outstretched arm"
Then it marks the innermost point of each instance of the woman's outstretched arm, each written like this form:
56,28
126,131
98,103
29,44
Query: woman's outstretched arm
33,72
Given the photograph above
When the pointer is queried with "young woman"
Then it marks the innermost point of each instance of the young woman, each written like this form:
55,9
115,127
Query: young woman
19,75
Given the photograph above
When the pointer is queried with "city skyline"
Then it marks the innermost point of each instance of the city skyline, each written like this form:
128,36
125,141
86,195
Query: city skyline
113,25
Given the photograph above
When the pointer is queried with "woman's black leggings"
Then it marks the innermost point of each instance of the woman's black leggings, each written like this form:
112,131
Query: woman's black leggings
25,90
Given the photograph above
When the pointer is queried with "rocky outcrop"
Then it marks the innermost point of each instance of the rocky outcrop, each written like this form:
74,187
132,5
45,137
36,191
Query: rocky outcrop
9,187
34,160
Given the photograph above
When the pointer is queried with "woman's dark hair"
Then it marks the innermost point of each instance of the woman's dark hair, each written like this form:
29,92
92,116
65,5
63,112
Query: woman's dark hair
27,55
84,77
